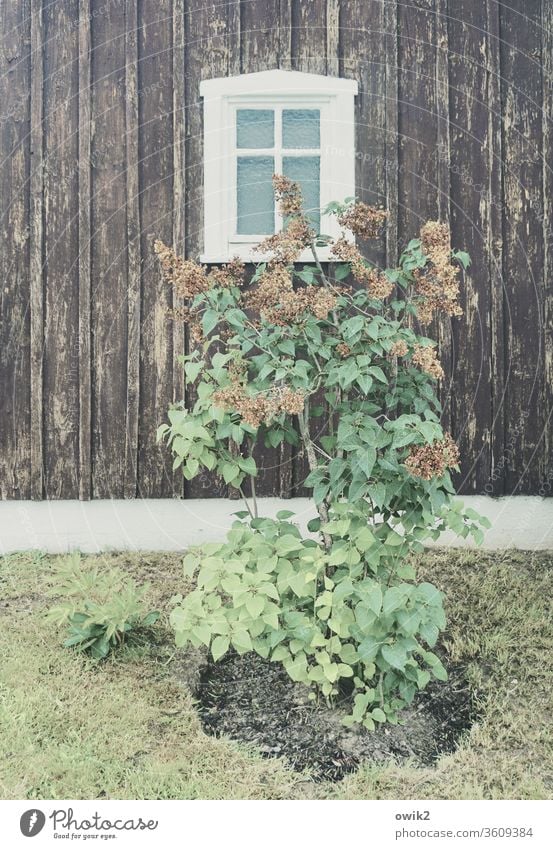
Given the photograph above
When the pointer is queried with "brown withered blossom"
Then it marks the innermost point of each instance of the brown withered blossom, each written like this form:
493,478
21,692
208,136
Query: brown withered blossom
378,286
435,236
186,276
363,220
288,195
424,357
287,245
231,274
272,284
261,408
295,306
196,333
343,349
431,461
399,348
437,283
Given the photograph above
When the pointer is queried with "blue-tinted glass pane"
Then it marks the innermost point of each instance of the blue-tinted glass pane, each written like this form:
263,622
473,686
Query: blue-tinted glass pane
255,128
256,205
301,128
305,170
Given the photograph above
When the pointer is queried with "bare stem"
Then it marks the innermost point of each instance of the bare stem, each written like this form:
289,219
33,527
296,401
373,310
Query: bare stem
322,508
254,497
245,500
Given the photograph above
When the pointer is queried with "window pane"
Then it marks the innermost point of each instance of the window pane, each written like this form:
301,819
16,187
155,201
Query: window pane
305,170
255,128
256,205
300,128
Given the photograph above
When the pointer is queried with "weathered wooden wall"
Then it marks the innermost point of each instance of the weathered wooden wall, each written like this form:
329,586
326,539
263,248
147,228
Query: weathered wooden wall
101,151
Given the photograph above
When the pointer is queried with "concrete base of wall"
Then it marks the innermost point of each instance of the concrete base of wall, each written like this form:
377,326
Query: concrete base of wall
171,525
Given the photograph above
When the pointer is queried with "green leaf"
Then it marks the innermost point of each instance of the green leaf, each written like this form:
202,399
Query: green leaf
368,649
192,370
202,633
364,383
241,641
247,464
378,715
394,598
374,599
219,647
230,472
395,656
255,605
341,271
210,319
282,515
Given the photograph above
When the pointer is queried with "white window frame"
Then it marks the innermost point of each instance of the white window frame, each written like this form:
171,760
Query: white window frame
277,90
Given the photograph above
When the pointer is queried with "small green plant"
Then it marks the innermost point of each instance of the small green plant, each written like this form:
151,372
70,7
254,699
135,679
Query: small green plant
100,608
331,361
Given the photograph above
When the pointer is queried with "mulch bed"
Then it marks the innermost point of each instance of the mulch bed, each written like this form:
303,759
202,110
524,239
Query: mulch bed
254,701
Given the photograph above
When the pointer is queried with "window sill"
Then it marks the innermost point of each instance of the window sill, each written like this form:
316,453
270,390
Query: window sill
245,253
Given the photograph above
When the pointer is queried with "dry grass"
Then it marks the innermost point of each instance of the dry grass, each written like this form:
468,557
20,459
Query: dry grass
71,728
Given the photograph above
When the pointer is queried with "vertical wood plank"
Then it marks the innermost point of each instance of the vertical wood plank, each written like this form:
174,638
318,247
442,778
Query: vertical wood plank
443,323
391,163
209,45
179,172
546,471
309,37
61,241
133,249
36,263
259,36
15,156
85,433
157,170
109,250
494,241
333,38
474,159
362,37
523,252
417,126
285,34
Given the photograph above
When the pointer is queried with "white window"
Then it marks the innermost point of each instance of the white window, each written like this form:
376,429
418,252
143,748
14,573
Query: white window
256,125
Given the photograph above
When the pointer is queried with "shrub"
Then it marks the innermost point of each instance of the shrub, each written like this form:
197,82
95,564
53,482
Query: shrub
330,362
100,608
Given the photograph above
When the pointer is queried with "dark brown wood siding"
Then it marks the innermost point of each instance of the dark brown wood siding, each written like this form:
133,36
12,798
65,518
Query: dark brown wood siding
101,151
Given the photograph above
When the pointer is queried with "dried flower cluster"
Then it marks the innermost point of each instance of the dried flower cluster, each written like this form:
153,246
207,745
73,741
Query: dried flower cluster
424,357
287,245
186,276
288,195
399,349
231,274
363,220
438,283
343,350
275,299
293,306
430,461
377,284
272,285
261,408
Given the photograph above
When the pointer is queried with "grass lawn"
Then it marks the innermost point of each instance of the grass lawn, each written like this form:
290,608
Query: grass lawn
126,729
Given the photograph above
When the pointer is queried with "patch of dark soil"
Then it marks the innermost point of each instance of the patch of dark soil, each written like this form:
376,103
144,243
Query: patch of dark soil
254,701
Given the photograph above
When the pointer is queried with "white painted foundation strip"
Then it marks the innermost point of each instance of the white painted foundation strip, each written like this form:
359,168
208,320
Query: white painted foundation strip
173,525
